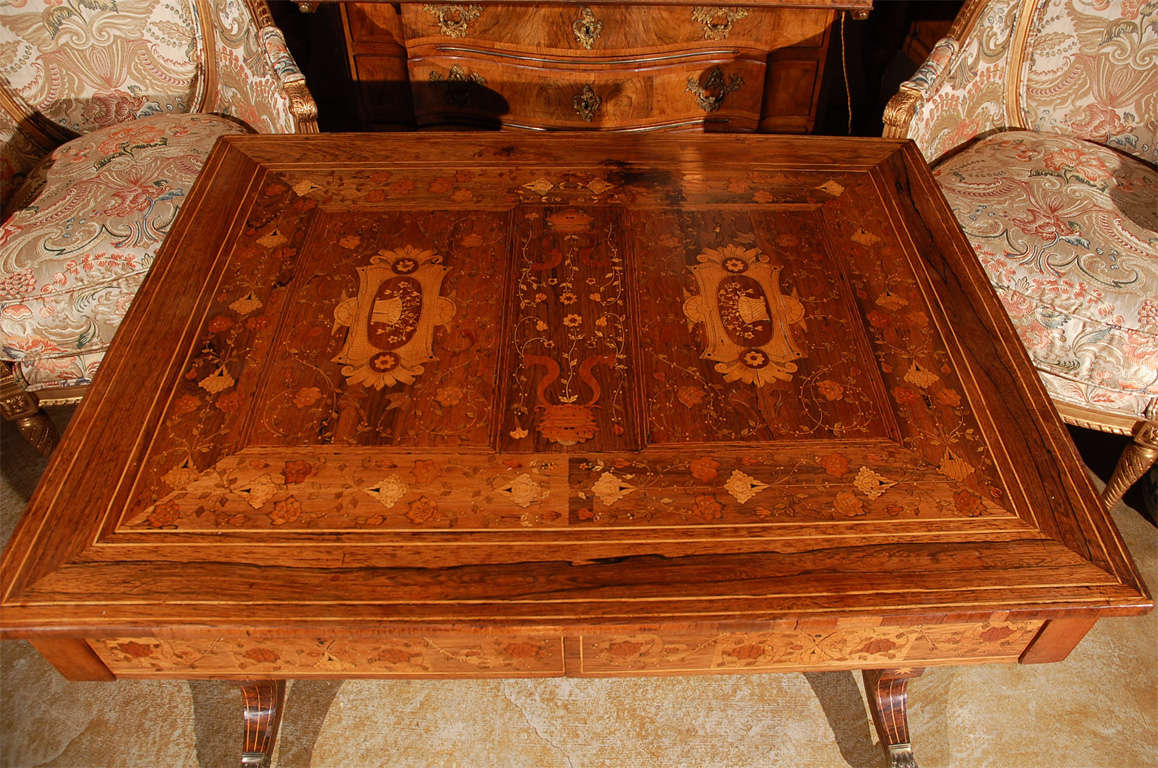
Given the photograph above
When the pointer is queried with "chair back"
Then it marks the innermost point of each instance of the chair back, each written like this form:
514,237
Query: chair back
1089,69
87,65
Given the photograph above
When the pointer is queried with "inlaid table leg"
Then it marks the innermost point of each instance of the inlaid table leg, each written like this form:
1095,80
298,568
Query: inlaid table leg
263,702
888,695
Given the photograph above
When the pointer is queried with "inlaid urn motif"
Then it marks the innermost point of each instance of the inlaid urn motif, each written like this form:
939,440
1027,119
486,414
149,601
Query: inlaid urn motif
391,320
747,321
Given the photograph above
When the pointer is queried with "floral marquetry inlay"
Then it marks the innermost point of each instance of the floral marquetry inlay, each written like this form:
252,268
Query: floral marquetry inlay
746,319
421,406
570,337
391,321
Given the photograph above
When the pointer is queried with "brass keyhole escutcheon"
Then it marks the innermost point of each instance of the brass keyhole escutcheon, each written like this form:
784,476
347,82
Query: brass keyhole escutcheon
587,103
587,28
453,20
459,84
710,94
717,21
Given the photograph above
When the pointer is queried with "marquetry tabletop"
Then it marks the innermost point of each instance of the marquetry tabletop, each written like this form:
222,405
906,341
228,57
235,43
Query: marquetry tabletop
483,404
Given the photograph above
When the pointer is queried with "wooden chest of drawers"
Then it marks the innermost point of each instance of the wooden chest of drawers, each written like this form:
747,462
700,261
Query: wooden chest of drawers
607,67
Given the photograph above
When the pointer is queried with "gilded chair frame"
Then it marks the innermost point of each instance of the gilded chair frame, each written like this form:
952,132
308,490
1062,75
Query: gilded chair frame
1142,452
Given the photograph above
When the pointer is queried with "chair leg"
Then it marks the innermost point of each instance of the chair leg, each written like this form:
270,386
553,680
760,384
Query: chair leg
1138,457
23,409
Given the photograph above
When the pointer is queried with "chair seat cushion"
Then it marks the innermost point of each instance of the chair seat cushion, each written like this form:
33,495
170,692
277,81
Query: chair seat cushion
1068,233
89,220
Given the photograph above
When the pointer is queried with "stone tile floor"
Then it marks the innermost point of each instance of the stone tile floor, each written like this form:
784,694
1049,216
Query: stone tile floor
1097,709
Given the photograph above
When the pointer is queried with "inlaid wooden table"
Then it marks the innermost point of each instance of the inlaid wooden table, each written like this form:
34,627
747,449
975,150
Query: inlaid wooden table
493,405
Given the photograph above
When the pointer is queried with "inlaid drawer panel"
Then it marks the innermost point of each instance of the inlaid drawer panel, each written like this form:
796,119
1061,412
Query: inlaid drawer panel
723,87
777,646
512,653
598,29
794,645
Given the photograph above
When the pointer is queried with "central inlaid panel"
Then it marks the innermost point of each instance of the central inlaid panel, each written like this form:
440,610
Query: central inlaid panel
594,352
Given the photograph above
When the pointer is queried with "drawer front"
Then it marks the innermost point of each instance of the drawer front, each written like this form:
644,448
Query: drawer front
724,88
598,30
372,654
798,646
779,646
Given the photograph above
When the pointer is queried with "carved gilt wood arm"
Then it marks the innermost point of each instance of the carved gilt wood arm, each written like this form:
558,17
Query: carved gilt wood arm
257,79
959,92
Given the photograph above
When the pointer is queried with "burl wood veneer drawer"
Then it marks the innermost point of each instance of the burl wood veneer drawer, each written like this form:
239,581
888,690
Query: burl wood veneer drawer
723,87
599,29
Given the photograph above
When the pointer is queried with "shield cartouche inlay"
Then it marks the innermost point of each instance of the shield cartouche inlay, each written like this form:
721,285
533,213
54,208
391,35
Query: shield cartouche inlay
390,323
747,320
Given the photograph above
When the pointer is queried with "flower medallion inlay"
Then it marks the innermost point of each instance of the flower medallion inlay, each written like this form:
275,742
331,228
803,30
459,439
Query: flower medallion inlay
392,319
746,319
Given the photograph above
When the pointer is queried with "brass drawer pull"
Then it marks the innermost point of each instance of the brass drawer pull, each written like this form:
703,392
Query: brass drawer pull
717,21
459,84
711,93
453,20
587,103
587,28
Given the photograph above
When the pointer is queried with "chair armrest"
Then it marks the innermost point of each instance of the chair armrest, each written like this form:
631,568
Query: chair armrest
959,92
257,79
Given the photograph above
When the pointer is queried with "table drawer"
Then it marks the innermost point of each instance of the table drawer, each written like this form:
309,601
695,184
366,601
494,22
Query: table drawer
724,87
599,29
777,646
513,653
801,645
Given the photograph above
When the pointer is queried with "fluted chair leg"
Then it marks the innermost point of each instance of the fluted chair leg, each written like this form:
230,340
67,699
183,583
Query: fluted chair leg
1139,456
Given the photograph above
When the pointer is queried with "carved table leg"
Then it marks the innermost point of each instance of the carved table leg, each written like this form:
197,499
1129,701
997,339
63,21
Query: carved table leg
263,702
1139,456
20,407
888,695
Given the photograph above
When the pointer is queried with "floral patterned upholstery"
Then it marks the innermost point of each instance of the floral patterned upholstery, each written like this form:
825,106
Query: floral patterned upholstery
93,65
1068,233
1040,118
961,86
18,154
134,58
91,218
1091,71
1084,68
136,79
255,71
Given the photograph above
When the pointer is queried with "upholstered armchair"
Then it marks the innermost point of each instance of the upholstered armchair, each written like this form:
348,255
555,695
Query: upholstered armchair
108,110
1040,119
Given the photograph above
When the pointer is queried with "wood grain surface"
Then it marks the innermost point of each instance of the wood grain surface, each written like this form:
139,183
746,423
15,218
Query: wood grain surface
625,66
596,389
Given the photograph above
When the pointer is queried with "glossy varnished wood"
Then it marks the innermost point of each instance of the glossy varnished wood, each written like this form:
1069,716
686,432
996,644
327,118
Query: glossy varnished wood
262,707
645,66
888,694
478,405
